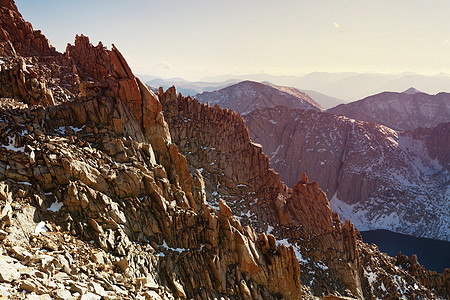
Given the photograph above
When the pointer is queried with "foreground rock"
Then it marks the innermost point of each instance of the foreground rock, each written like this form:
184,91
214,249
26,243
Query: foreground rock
101,202
97,202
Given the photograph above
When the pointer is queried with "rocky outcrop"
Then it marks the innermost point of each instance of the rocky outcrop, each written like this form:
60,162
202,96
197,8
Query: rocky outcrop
373,175
399,111
108,189
436,141
96,201
30,68
17,81
216,142
102,168
18,37
245,96
211,138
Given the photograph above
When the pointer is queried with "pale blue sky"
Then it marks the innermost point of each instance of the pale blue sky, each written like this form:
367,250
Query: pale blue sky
192,39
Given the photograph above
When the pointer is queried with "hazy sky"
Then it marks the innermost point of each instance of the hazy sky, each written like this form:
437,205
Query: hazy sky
192,39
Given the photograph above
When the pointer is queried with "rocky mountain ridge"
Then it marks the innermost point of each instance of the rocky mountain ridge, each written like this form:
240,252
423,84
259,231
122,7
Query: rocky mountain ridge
374,176
399,111
97,201
189,88
246,96
102,167
214,142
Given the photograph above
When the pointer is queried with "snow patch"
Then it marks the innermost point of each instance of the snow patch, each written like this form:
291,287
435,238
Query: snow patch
41,227
371,276
296,250
63,129
179,250
11,146
55,206
350,212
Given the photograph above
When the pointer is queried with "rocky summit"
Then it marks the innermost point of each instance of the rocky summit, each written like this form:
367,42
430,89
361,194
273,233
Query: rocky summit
245,96
110,191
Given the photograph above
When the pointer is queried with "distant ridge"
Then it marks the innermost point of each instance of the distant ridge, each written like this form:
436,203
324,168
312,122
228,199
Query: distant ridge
247,96
399,111
411,91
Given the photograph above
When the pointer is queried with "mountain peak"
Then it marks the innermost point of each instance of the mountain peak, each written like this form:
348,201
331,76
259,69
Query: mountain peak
8,3
411,91
246,96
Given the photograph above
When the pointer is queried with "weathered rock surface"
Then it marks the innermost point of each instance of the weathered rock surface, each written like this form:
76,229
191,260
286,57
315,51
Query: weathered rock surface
399,111
97,202
245,96
17,37
374,176
101,168
215,142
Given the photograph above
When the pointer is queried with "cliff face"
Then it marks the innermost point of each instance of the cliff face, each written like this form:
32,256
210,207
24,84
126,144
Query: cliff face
97,201
101,167
373,175
399,111
215,142
17,37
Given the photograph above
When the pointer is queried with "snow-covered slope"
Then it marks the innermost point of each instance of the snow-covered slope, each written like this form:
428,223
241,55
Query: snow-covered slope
400,111
247,96
376,177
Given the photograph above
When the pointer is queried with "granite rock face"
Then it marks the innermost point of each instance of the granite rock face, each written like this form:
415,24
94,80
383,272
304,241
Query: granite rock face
100,167
373,175
17,37
98,201
215,142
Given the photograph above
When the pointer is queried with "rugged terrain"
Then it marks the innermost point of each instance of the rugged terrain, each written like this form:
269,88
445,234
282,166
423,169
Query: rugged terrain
374,176
96,200
245,96
216,141
399,111
189,88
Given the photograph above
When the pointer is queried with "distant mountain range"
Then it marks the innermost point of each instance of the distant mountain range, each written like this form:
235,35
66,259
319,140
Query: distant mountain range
399,111
328,89
353,86
373,175
189,88
247,96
